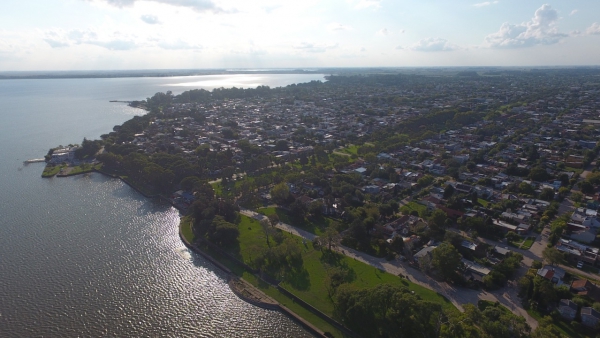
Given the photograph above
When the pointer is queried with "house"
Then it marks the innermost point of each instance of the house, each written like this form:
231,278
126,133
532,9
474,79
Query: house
567,309
371,189
474,271
500,252
553,274
577,252
590,317
472,248
426,251
584,287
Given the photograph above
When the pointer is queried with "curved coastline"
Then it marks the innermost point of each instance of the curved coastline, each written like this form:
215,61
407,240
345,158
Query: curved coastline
255,297
231,278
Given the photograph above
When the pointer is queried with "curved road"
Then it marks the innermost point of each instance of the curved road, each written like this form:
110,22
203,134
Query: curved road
457,295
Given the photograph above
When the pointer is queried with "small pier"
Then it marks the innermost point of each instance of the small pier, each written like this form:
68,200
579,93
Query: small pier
35,160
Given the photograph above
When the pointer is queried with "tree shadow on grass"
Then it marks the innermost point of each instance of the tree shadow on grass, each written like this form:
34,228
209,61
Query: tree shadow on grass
333,258
299,279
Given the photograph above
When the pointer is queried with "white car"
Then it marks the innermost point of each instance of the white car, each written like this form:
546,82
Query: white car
579,264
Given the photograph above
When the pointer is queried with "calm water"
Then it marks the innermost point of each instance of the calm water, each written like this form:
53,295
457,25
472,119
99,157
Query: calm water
87,256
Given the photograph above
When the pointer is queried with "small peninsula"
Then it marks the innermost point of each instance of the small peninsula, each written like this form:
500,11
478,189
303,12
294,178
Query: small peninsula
441,203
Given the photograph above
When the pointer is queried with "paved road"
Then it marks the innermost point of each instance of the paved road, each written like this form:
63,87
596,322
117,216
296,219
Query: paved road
457,295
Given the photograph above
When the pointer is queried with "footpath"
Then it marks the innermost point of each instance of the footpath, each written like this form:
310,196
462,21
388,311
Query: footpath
507,296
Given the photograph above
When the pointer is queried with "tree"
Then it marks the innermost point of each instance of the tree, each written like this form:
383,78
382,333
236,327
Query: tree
273,219
547,194
280,193
577,197
552,256
526,188
315,207
282,145
223,232
397,245
539,174
546,329
586,187
330,234
265,224
386,311
446,260
448,191
437,222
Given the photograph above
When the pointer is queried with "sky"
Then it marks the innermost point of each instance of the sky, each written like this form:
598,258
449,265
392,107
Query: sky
198,34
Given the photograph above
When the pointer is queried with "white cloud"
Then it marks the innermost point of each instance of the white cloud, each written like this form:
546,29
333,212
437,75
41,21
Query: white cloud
540,30
115,44
338,27
594,29
487,3
197,5
363,49
314,47
150,19
177,45
400,47
433,45
575,33
383,32
361,4
573,12
113,41
402,31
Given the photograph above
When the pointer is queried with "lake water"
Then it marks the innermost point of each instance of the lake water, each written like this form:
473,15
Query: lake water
87,255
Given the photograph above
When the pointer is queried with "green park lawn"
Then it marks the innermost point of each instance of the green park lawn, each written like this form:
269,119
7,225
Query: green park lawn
483,202
51,170
315,225
413,206
85,168
352,150
186,229
310,285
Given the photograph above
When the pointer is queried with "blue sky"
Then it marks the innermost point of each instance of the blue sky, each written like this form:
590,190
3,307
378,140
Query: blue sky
146,34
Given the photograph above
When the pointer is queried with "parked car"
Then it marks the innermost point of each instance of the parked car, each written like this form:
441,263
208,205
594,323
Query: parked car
579,264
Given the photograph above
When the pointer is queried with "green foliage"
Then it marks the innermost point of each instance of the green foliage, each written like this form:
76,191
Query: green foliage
386,311
446,260
425,180
503,271
280,193
553,256
222,232
88,149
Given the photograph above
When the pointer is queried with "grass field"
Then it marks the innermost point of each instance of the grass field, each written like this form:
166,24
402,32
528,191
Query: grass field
80,169
311,287
528,243
483,202
315,225
50,171
186,229
352,150
252,238
413,206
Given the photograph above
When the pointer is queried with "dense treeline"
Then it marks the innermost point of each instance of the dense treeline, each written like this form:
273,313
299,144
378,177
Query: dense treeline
391,311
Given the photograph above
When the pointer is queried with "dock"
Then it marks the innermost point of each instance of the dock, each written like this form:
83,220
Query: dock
35,160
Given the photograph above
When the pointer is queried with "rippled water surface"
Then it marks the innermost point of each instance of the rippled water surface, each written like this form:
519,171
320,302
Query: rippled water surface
88,256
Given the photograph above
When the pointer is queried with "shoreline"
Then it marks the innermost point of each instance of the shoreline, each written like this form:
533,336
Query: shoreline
272,304
256,297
